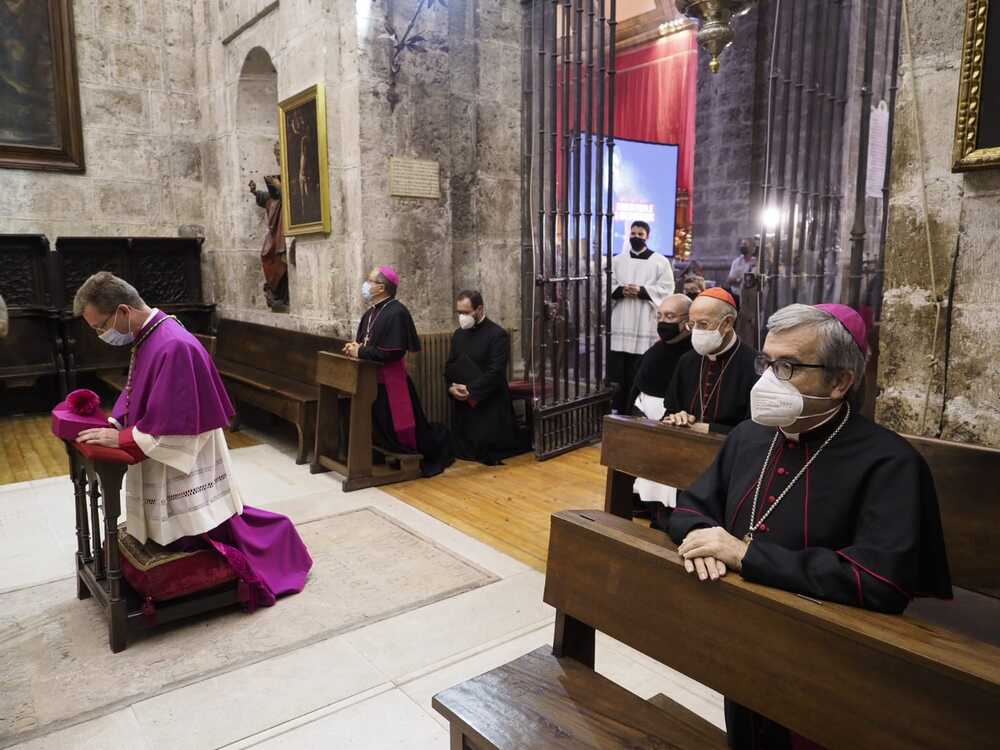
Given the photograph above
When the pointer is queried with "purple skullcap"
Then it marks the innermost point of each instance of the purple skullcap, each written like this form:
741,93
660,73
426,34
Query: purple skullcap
390,273
852,321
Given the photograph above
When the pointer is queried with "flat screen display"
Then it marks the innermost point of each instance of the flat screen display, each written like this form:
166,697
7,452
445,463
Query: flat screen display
645,189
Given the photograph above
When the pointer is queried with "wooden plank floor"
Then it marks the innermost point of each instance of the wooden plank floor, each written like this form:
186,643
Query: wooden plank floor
508,507
29,450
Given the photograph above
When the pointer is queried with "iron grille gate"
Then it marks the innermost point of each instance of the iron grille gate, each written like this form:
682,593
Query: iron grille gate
804,184
568,75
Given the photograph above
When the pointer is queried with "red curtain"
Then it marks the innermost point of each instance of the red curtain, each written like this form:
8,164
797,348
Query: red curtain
655,99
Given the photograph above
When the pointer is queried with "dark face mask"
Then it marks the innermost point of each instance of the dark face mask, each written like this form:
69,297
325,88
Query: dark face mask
668,331
637,243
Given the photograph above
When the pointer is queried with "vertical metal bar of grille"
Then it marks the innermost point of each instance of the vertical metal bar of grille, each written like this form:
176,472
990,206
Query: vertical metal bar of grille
610,213
577,158
551,311
527,162
768,262
786,40
859,228
807,101
832,152
602,120
794,193
820,156
588,190
567,175
540,293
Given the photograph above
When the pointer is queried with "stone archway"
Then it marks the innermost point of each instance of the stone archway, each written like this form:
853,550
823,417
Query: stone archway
256,149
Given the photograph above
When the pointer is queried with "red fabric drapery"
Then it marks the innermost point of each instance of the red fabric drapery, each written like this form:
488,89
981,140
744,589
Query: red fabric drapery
655,99
654,102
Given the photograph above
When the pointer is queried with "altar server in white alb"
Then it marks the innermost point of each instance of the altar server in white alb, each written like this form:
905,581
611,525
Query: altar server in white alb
640,280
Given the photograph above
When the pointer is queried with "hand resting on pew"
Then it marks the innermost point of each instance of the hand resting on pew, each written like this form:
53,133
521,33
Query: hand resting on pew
683,419
709,552
351,349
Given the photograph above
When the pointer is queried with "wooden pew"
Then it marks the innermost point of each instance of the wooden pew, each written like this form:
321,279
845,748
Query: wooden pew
965,476
842,677
930,678
275,370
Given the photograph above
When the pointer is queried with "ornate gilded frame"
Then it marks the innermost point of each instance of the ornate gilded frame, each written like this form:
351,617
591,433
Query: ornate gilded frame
969,154
284,108
67,154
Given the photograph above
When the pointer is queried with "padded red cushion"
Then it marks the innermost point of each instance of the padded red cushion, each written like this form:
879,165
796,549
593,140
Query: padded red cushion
184,575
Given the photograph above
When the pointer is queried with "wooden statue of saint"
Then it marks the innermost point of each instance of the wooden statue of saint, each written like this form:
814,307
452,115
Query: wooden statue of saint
273,255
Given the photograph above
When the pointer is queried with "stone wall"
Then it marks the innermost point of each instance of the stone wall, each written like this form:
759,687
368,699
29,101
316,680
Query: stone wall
179,103
459,105
963,217
141,130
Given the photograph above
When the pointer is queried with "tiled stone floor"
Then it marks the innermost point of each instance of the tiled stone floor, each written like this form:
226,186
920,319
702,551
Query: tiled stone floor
366,689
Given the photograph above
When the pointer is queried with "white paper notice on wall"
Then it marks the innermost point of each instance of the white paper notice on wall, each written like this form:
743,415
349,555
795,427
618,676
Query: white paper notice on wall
878,143
414,178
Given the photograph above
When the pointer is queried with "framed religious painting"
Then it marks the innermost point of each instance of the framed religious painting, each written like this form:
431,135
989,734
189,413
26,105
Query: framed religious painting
305,177
977,122
40,124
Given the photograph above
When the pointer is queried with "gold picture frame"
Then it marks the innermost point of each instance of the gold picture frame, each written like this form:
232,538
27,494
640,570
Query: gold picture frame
979,90
305,175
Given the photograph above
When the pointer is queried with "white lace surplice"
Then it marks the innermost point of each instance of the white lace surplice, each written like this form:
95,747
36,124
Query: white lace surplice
633,320
185,486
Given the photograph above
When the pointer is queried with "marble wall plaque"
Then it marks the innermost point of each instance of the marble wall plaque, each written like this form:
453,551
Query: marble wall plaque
414,178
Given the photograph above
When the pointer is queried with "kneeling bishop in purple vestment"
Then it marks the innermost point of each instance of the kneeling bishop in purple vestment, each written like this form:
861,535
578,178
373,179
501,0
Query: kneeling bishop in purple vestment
171,416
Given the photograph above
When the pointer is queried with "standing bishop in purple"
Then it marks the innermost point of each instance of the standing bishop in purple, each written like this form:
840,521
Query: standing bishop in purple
182,493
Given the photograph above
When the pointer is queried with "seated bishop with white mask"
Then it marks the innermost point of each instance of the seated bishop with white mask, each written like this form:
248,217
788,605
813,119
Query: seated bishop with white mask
810,496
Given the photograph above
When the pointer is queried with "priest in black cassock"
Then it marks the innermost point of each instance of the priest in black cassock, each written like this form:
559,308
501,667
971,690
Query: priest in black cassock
656,368
482,422
386,333
811,497
710,390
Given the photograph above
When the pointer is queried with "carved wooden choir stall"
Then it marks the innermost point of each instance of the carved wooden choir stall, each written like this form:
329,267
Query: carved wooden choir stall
33,347
841,676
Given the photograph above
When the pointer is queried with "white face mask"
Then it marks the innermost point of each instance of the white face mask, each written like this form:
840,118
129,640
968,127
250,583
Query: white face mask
778,403
366,291
115,337
466,321
706,342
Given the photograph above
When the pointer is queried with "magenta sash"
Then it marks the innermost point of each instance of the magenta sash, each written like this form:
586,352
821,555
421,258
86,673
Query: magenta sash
393,376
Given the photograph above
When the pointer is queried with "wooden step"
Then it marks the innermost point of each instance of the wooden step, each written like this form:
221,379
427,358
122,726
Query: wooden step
541,702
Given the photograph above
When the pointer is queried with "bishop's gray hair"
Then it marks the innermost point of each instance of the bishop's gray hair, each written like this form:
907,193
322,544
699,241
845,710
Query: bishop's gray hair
105,292
835,347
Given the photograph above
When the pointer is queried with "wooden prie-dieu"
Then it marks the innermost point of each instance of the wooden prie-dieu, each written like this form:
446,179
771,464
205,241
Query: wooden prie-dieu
348,387
840,676
96,473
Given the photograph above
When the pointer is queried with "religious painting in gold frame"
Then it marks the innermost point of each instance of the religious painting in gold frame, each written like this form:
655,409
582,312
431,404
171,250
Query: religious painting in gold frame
305,176
977,122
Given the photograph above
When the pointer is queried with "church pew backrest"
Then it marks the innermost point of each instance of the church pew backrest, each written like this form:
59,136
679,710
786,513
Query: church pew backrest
841,676
966,478
289,354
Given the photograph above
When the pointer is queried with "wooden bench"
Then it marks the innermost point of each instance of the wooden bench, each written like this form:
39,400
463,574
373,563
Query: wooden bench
908,684
275,370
